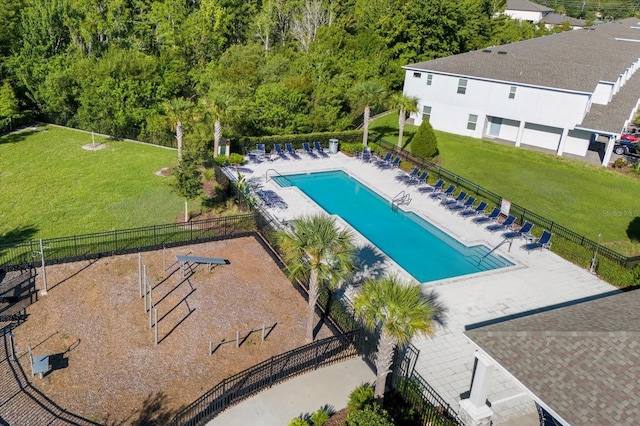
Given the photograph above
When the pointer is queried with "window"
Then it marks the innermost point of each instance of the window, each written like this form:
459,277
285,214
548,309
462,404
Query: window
429,78
512,92
473,120
462,86
417,75
426,113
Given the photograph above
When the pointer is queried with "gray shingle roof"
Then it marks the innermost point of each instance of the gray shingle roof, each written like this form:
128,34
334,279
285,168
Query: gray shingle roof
557,19
583,360
527,6
573,60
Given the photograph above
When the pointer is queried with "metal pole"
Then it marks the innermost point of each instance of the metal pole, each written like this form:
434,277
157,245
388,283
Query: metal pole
150,304
155,332
140,273
238,339
210,347
144,282
164,266
12,350
44,269
263,332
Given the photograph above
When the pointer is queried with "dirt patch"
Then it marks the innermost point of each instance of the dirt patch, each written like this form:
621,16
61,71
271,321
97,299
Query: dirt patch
164,172
93,147
106,366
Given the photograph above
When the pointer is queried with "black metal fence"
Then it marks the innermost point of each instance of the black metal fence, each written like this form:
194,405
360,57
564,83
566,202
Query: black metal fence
431,408
520,212
92,246
268,373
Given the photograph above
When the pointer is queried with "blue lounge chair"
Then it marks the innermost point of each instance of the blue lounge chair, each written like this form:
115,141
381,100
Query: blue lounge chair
433,189
404,177
395,163
480,208
421,179
384,161
450,200
508,222
495,213
278,149
461,206
318,148
291,151
261,147
543,242
366,155
524,232
307,149
443,194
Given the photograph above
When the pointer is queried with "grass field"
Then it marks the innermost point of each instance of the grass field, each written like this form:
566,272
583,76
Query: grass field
53,187
585,198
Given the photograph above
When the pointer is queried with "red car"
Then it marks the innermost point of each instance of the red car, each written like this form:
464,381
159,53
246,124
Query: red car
631,137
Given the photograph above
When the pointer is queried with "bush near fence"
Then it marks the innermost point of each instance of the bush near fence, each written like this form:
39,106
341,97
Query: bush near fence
520,212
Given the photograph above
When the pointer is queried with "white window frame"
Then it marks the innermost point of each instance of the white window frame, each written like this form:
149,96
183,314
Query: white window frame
462,86
417,75
425,114
429,79
512,92
472,122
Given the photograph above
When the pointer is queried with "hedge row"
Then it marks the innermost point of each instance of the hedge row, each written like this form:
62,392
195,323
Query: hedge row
247,143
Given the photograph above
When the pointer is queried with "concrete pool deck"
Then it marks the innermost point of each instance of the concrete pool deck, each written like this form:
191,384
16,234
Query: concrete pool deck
537,280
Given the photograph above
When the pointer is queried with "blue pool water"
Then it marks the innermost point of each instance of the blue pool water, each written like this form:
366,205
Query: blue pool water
419,247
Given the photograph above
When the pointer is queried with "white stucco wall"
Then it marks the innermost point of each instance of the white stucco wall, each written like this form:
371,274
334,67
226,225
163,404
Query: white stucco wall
450,110
523,15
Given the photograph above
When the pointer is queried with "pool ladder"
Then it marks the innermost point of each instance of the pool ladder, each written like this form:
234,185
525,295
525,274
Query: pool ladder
401,198
509,240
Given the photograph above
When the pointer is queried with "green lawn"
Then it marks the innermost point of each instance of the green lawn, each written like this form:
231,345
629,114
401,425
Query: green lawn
53,187
585,198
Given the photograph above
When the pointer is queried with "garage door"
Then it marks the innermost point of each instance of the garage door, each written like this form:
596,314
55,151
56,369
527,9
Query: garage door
541,136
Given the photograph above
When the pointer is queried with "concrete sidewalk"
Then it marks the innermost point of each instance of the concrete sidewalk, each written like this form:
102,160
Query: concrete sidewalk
302,395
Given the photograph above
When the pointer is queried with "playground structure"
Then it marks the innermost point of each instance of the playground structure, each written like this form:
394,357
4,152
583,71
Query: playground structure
265,333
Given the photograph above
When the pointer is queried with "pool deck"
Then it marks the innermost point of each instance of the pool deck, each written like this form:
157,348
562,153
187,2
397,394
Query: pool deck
537,280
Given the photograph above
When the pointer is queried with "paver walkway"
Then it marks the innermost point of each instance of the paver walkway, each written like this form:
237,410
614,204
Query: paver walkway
328,386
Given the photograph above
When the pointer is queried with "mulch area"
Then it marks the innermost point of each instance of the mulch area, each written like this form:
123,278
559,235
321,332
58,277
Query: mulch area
106,366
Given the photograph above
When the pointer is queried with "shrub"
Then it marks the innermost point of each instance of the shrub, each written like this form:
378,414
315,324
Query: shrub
633,230
350,148
371,415
319,417
298,421
620,163
424,143
361,397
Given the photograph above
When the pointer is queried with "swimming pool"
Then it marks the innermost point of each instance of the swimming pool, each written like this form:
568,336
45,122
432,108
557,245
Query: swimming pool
423,250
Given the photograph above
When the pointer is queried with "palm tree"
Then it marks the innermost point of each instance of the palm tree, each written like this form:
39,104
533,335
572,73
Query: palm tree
406,104
316,249
369,93
400,312
178,110
217,104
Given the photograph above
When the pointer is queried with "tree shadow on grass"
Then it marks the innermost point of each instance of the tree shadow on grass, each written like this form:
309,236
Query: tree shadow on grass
18,235
16,137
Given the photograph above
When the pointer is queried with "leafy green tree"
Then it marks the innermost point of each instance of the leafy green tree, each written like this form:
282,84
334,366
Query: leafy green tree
368,94
400,312
424,143
317,251
405,105
187,182
9,106
178,110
